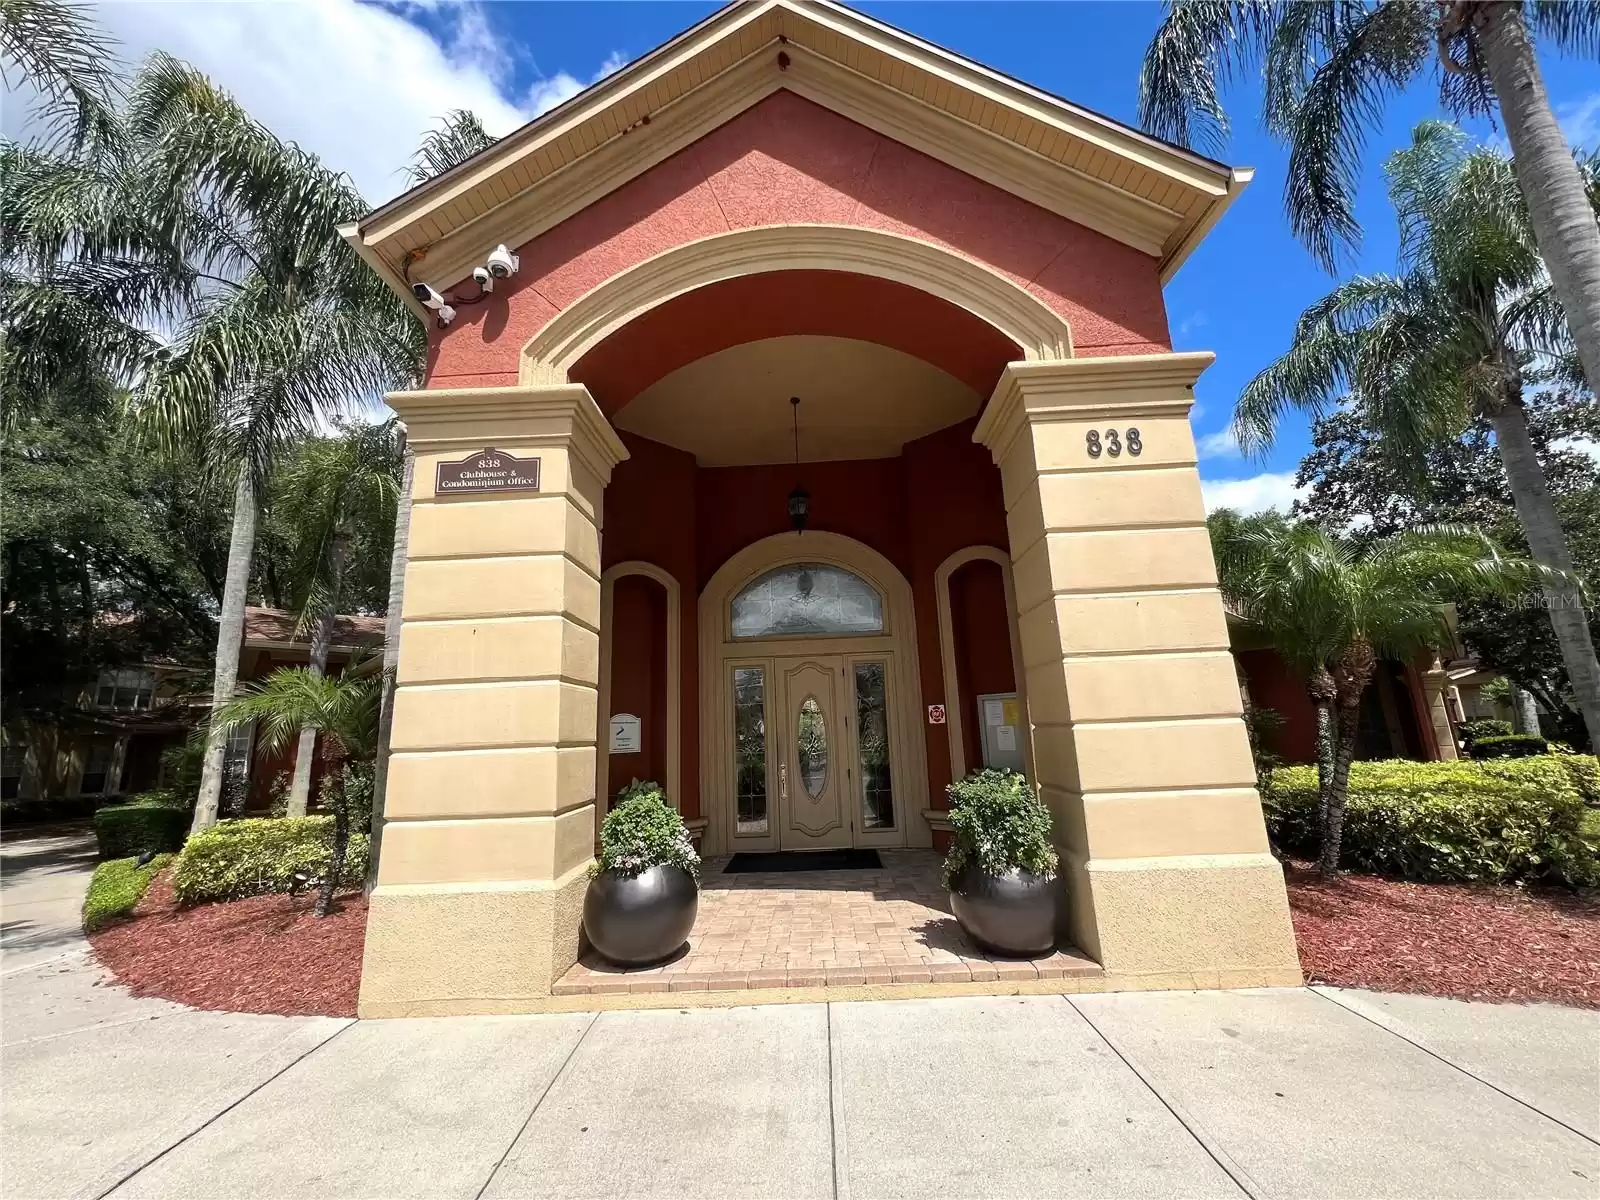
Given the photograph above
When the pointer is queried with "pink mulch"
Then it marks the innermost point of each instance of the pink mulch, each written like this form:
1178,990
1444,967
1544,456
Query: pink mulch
1475,942
267,954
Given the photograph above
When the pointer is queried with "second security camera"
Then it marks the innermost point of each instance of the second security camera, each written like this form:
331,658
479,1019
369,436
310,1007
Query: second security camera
502,263
482,277
428,296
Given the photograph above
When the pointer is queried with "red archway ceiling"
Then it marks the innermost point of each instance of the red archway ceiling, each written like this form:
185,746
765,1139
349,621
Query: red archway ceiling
776,303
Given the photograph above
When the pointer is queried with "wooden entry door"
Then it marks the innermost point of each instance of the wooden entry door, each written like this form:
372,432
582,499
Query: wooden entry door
815,755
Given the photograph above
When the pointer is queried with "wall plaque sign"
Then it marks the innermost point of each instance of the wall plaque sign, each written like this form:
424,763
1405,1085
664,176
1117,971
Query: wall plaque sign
489,470
625,734
935,714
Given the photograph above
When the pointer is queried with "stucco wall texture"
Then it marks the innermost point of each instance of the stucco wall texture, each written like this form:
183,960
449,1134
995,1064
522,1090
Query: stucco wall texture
789,161
942,494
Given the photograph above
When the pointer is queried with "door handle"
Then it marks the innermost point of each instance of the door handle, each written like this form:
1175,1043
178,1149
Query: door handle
783,779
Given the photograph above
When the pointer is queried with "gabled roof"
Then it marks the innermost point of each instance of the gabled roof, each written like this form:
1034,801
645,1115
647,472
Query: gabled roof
1152,195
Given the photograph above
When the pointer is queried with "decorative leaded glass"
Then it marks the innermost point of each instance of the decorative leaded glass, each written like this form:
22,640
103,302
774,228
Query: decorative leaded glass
807,598
812,744
750,748
872,741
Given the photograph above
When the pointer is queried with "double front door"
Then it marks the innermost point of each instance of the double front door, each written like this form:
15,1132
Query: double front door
812,735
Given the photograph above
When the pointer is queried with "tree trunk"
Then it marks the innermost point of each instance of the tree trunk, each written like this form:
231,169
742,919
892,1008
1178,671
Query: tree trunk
1338,793
230,634
1548,546
321,638
1322,690
1524,711
1563,222
1351,674
333,762
391,652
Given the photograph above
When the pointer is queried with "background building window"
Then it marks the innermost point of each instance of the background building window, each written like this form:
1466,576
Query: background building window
807,598
97,767
130,688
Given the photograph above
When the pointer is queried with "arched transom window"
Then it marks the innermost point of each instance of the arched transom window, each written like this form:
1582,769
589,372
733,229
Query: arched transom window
807,598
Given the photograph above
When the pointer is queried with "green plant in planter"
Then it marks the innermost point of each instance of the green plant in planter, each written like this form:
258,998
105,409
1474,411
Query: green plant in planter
644,831
998,821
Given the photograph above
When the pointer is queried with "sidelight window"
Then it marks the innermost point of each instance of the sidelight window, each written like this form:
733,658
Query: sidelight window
750,748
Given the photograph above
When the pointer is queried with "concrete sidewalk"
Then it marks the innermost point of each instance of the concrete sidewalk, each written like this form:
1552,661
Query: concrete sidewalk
1286,1093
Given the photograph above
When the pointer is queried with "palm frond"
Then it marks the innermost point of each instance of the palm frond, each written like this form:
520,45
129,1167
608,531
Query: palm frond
1326,122
1200,43
69,60
459,136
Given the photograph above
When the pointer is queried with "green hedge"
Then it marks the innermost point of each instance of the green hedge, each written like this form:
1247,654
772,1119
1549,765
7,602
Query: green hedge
1495,821
116,888
153,821
255,856
1510,745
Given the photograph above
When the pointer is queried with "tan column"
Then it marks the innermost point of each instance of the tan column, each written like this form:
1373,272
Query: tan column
489,820
1434,682
1138,745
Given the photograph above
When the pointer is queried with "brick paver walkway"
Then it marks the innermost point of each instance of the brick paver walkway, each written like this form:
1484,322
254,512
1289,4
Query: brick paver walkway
821,928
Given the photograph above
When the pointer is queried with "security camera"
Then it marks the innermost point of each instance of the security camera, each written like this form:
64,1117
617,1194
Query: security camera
428,296
502,263
446,315
483,279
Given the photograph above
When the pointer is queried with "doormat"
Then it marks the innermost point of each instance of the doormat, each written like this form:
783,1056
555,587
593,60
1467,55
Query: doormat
804,860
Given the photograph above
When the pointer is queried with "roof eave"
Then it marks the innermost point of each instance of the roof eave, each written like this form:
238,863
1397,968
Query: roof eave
1238,179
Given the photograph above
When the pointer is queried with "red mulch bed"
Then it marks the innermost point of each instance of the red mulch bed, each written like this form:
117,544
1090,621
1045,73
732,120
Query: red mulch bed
1475,942
267,954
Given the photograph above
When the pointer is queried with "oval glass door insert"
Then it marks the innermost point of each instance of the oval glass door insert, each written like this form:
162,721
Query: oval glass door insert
811,741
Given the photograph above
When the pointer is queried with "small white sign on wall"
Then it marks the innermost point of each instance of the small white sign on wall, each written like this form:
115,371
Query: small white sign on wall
625,738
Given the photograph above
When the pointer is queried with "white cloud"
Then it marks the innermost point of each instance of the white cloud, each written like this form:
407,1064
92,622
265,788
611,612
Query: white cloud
545,94
1221,444
357,84
1258,493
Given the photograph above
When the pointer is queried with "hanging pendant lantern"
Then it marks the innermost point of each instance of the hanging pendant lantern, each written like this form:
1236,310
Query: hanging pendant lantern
799,499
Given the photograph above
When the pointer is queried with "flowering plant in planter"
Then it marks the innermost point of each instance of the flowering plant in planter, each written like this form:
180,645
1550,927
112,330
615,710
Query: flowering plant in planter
645,892
644,831
999,824
1001,869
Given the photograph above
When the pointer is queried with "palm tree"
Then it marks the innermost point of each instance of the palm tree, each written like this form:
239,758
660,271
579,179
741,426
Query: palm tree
333,492
289,328
1425,352
1327,66
343,711
1333,606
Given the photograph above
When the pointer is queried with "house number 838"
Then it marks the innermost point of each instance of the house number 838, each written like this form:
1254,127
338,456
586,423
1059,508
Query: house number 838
1114,442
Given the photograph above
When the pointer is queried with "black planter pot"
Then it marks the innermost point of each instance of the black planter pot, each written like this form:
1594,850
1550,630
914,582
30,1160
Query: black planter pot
637,920
1012,914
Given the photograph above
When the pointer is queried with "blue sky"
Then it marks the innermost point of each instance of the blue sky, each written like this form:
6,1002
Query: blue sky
358,81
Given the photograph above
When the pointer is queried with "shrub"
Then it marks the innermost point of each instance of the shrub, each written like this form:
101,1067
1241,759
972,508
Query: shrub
999,822
644,831
259,855
1510,745
115,889
154,821
1484,727
1495,821
1583,770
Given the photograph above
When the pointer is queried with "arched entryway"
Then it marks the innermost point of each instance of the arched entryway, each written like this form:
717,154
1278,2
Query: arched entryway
809,699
